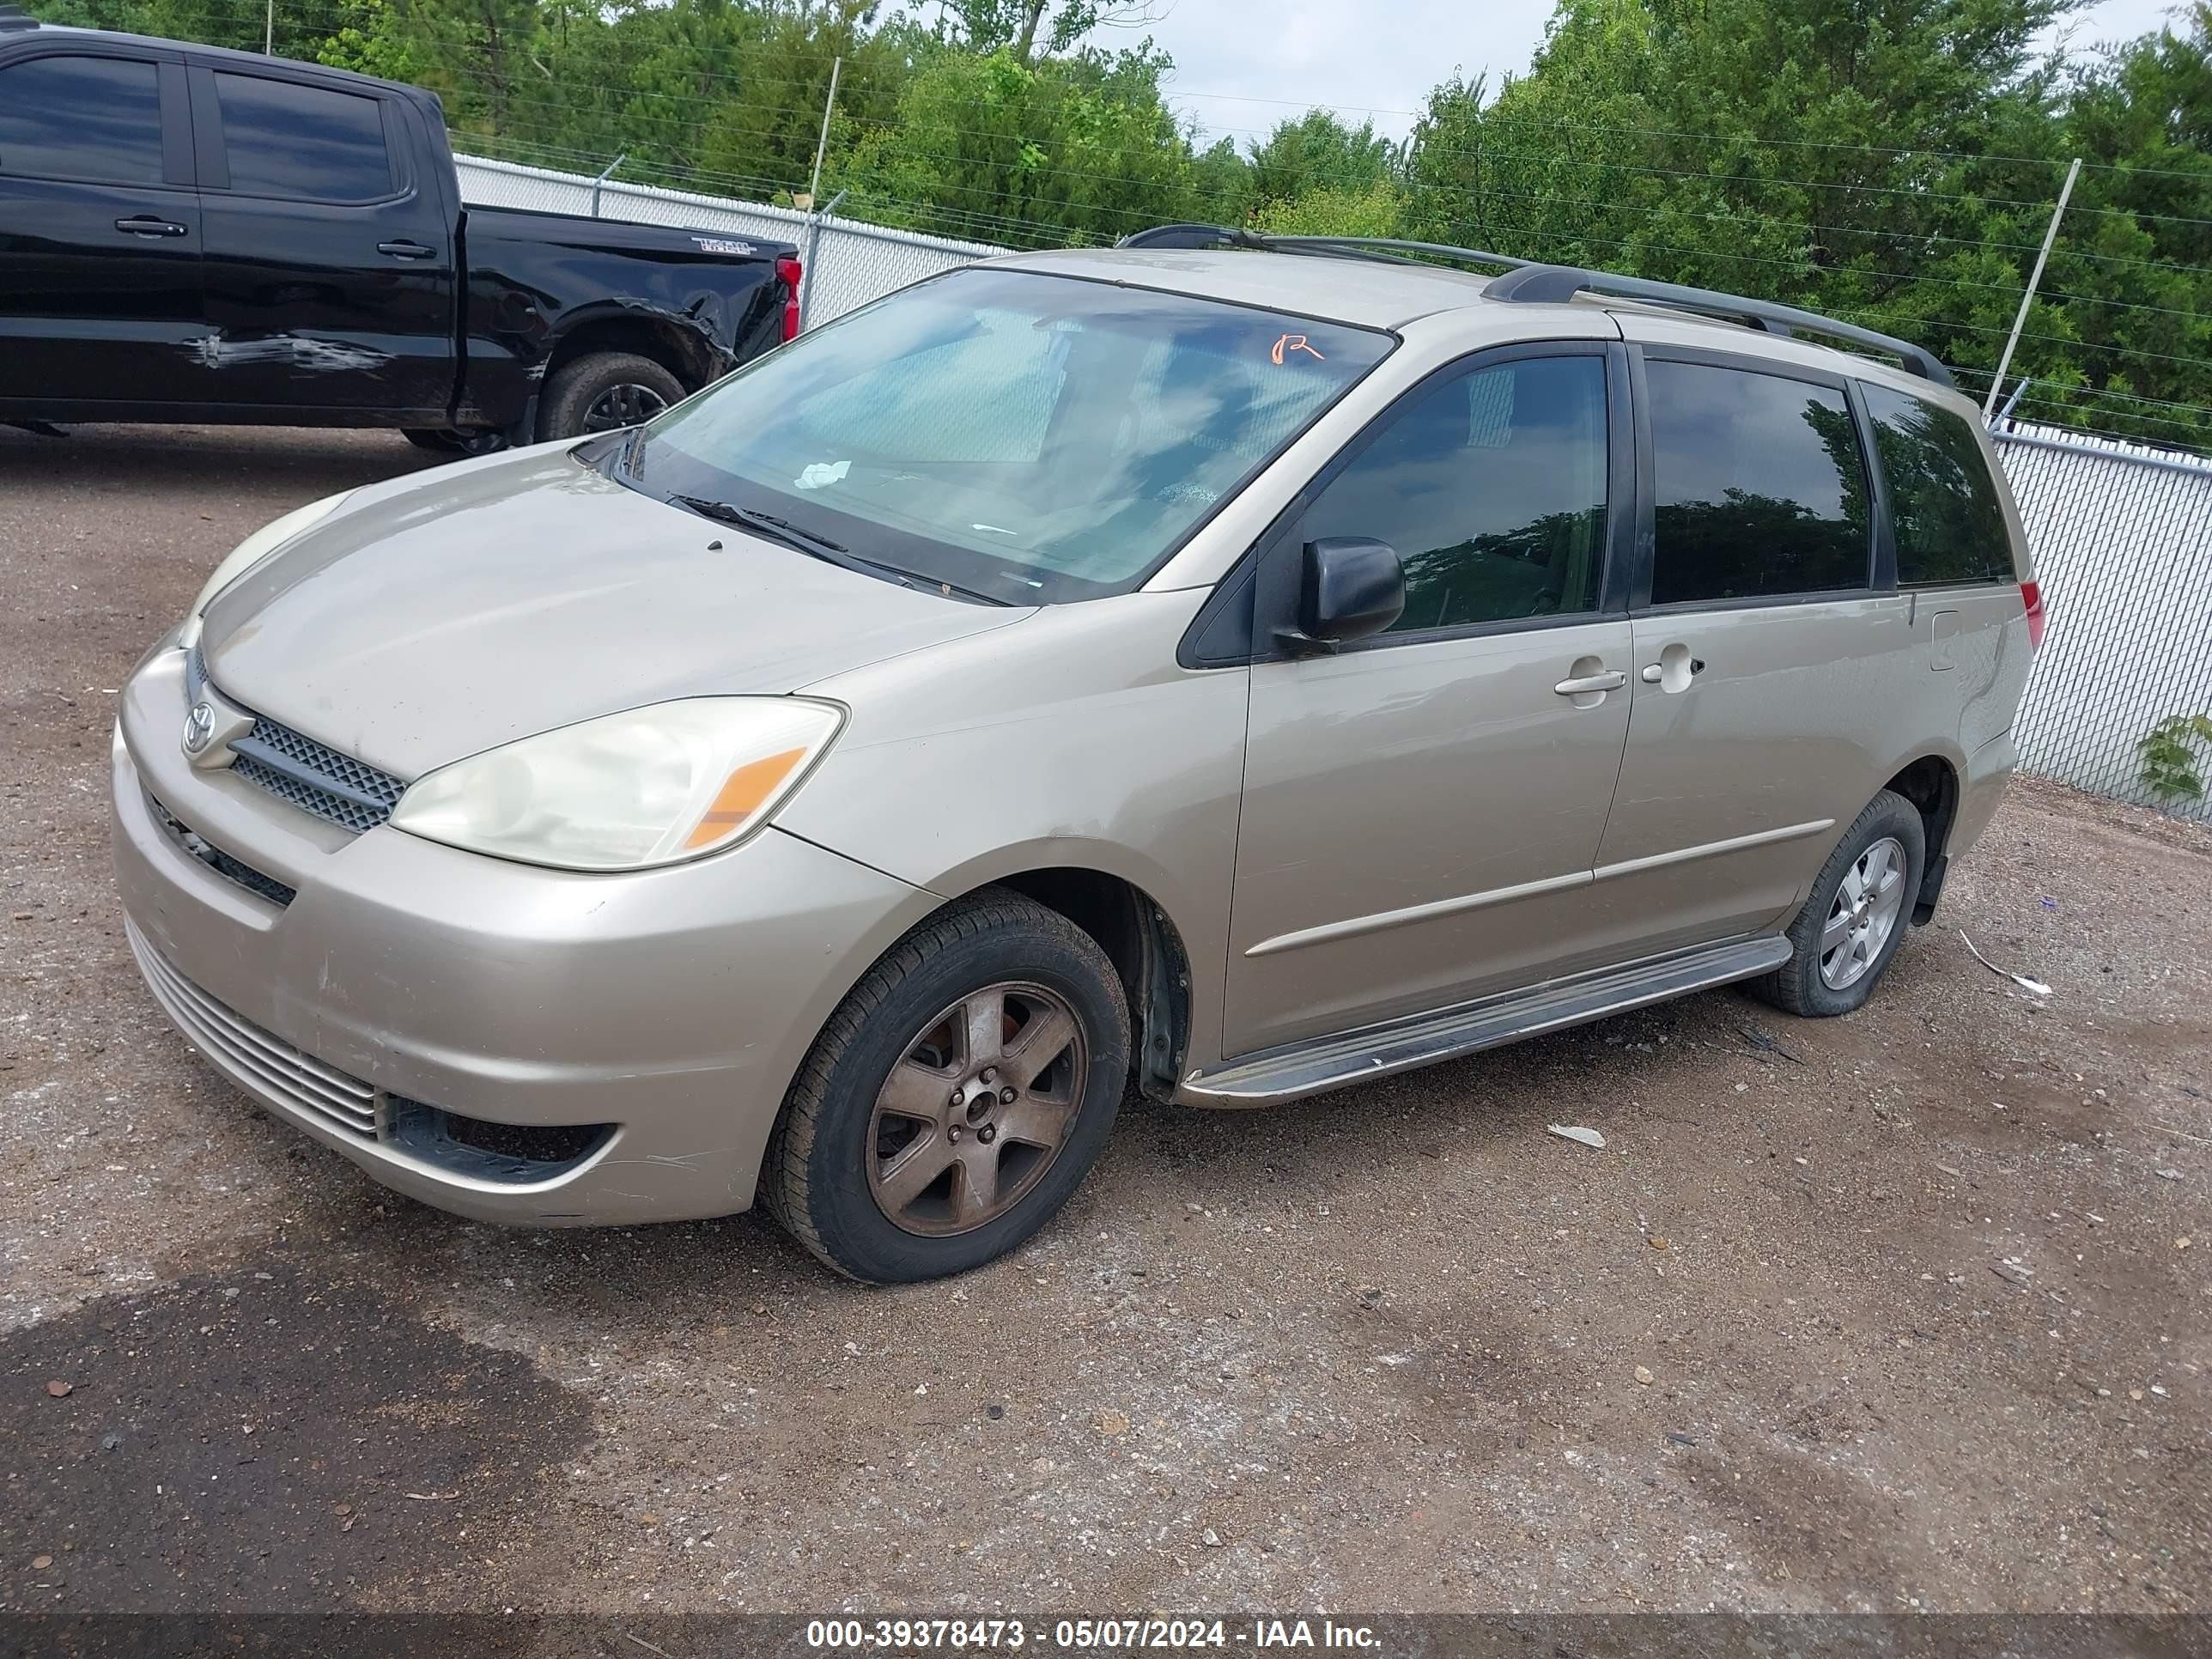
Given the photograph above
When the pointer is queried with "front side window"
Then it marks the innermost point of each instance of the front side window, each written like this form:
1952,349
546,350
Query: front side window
303,143
1943,506
1491,487
1758,487
97,119
1032,438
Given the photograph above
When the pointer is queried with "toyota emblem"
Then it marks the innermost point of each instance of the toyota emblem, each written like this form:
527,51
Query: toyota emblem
199,728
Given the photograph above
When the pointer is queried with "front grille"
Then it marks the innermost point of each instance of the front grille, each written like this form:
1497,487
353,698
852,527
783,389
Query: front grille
315,777
196,674
190,842
317,1090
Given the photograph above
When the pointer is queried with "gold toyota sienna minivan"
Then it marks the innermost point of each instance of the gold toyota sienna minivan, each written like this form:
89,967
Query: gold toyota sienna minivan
1235,668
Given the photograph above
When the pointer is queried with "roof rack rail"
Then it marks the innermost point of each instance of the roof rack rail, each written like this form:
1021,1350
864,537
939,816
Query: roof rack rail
1527,281
1392,249
11,19
1554,285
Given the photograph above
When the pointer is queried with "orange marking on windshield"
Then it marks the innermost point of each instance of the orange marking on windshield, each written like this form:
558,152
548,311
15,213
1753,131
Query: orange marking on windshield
1294,342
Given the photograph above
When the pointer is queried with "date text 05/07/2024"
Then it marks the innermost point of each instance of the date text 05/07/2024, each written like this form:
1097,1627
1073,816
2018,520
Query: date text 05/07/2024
910,1635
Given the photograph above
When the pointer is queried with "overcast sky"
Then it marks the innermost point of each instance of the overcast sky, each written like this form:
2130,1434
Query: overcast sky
1241,65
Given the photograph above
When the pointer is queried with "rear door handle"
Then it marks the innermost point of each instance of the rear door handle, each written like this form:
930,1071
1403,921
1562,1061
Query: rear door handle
145,224
1654,673
1611,680
405,250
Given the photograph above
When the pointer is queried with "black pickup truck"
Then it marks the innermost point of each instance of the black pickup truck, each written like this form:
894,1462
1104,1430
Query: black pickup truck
189,233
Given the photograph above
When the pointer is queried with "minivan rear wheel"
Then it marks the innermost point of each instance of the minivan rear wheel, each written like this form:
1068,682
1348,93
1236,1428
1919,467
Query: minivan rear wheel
957,1096
1857,915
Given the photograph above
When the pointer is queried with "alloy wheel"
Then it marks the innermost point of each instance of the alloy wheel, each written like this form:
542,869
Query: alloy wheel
976,1108
622,405
1868,901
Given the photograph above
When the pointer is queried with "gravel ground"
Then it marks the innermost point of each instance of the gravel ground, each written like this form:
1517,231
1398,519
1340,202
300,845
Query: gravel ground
1910,1314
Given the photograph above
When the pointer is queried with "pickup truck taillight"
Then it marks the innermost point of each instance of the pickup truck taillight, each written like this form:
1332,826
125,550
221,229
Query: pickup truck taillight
2032,592
787,271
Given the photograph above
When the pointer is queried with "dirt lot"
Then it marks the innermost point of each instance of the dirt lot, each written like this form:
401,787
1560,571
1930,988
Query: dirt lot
1914,1316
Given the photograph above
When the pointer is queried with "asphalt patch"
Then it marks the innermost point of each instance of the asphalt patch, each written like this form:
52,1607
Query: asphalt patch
272,1438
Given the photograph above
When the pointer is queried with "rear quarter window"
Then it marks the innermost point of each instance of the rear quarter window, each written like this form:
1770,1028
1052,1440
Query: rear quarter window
1943,506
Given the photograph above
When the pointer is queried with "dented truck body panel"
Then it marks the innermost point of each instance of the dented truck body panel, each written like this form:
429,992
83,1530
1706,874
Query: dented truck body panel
537,280
208,280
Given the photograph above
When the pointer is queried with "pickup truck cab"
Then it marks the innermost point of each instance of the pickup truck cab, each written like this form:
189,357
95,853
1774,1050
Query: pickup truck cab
190,234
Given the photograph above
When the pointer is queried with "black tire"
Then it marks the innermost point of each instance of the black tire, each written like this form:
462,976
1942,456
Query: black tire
444,440
565,410
815,1178
1798,985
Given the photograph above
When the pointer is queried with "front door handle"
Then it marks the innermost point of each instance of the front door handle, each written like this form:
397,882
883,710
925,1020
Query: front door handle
1611,680
405,250
145,224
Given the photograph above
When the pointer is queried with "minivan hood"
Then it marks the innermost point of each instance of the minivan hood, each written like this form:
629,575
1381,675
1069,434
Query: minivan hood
471,605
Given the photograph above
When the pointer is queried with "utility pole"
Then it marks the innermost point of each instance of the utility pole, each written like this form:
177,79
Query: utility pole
269,32
2050,235
820,145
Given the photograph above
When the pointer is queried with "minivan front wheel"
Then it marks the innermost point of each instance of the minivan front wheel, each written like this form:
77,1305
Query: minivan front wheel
1855,918
957,1096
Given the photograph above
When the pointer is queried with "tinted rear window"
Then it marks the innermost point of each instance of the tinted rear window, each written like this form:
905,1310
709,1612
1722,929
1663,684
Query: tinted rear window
1943,506
81,117
306,143
1760,489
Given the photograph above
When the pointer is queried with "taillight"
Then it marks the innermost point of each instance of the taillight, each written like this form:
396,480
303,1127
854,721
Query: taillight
2032,592
788,272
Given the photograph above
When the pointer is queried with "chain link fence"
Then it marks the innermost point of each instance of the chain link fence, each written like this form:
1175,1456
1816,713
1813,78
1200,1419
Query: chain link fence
2122,533
2123,541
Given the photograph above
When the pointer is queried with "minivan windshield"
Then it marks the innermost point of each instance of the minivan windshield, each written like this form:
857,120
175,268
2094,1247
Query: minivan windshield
1013,435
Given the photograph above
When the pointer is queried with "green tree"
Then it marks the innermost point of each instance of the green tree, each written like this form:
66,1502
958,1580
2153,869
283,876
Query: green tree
1016,25
1378,210
1061,151
1892,162
1318,152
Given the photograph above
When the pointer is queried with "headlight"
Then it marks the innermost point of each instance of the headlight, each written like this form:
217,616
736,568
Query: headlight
625,792
250,552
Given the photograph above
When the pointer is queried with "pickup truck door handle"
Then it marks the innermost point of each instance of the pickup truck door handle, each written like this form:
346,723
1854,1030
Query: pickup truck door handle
145,224
405,250
1611,680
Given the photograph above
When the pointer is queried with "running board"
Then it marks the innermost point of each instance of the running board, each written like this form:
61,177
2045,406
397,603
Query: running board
1331,1062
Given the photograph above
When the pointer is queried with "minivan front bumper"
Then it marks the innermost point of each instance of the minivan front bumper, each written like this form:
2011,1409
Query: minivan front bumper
671,1007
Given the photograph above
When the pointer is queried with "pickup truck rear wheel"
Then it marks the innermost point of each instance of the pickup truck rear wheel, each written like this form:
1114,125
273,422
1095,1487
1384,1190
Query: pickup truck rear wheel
603,392
956,1096
444,441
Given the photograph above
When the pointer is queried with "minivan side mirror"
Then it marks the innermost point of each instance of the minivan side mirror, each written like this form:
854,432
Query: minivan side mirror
1351,586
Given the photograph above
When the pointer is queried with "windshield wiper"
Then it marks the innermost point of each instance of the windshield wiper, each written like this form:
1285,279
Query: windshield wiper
820,547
